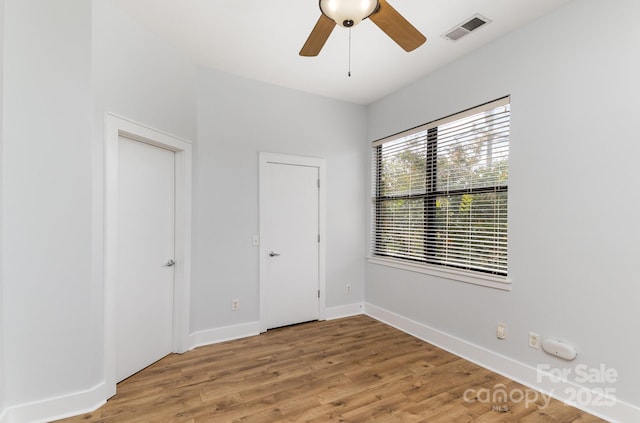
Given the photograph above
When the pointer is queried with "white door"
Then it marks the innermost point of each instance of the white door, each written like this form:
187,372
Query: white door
290,213
144,289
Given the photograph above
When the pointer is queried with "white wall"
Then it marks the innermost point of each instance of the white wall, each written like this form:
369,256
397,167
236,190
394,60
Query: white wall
67,63
47,199
139,76
238,118
573,201
2,363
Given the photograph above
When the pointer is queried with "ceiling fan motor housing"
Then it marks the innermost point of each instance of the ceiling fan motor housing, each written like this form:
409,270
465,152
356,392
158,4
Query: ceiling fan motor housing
348,13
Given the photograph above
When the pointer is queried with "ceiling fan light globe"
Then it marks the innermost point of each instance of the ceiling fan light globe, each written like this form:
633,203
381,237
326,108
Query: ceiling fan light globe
348,13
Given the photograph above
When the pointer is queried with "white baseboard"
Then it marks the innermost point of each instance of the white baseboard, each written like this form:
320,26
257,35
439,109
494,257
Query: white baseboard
607,408
614,411
227,333
345,310
86,401
56,408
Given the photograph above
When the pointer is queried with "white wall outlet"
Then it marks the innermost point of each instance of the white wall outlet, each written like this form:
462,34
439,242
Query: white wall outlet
347,288
534,340
235,305
501,331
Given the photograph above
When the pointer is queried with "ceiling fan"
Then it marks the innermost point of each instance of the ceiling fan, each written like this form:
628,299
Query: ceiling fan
348,13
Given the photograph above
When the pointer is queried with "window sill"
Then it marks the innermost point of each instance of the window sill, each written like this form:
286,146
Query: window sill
490,281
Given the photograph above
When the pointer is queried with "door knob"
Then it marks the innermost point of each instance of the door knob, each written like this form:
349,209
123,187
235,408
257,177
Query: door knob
170,263
272,254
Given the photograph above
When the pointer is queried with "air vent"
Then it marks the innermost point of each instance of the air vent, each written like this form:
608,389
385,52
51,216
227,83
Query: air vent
471,24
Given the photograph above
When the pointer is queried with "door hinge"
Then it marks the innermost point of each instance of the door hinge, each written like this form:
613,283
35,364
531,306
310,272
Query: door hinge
318,183
318,293
318,238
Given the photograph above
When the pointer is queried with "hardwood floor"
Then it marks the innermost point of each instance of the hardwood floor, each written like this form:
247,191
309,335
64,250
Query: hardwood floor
348,370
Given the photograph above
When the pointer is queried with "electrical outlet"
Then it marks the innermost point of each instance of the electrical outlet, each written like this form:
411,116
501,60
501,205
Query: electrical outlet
256,240
235,305
534,340
348,288
501,331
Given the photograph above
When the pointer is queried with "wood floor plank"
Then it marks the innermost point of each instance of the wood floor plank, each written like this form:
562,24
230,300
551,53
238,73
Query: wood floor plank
355,369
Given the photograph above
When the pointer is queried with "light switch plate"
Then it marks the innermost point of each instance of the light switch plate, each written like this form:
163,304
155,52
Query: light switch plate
501,331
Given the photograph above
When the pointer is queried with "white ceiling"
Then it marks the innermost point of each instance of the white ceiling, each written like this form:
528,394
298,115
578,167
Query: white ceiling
260,39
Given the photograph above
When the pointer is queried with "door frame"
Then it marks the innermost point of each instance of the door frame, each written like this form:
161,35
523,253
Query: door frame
284,159
115,127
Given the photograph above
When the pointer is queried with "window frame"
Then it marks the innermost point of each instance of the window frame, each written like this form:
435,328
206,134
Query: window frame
430,265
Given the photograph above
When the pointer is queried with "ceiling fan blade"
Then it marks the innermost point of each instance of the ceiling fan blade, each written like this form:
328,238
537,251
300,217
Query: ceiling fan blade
318,36
397,27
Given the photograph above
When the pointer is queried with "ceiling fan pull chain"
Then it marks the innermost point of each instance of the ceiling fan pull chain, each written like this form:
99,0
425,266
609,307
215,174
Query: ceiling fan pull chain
349,53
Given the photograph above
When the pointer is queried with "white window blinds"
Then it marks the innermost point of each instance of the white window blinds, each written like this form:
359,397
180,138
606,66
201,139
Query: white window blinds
440,191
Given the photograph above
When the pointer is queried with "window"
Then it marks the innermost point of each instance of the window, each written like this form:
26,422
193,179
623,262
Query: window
440,192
